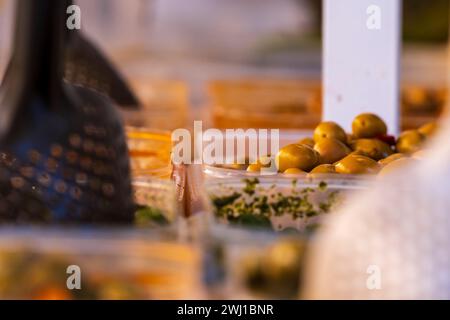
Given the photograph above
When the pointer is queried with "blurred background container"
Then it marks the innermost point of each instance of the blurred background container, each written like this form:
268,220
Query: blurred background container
149,152
265,103
114,264
190,43
164,104
231,63
157,203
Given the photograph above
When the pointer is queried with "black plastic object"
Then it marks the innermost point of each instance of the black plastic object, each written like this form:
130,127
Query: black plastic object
86,65
63,154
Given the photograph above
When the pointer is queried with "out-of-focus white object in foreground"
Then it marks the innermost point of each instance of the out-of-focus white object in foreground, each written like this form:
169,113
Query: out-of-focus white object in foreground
394,241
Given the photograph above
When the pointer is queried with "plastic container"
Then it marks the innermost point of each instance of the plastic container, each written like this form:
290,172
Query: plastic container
144,261
149,151
150,159
279,202
261,226
157,202
265,103
164,104
111,264
243,264
310,197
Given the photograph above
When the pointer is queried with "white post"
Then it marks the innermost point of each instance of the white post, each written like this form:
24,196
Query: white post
361,60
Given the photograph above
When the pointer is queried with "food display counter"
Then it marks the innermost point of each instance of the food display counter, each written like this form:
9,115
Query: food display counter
279,154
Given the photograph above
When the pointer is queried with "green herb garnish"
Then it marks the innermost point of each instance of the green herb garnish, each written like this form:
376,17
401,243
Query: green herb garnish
148,216
255,206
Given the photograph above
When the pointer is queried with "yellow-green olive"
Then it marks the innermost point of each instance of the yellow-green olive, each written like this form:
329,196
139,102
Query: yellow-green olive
234,166
331,150
428,129
410,141
357,164
297,156
254,167
391,158
368,125
329,129
324,169
308,141
372,148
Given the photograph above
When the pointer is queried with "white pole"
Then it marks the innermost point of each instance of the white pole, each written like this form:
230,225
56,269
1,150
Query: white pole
361,60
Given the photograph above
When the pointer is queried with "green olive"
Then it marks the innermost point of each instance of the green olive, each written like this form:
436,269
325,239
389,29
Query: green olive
241,164
329,129
254,167
297,156
308,141
368,125
234,166
372,148
324,168
331,150
410,141
391,158
357,164
428,129
357,153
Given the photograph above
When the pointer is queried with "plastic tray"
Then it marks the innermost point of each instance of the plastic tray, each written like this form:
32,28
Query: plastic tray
113,264
286,201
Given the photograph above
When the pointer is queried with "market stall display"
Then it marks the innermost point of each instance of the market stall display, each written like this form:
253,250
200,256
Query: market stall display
112,264
221,168
331,150
313,175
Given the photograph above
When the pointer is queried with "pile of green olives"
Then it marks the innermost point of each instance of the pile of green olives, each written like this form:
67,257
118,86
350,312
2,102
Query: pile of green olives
368,149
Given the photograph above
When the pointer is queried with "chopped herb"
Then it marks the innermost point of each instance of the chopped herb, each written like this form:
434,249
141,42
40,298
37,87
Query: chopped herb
255,206
148,216
250,186
221,202
323,186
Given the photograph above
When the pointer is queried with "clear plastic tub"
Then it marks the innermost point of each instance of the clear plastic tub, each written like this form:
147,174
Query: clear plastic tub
150,151
296,201
157,201
245,264
280,202
144,261
111,264
165,104
260,228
